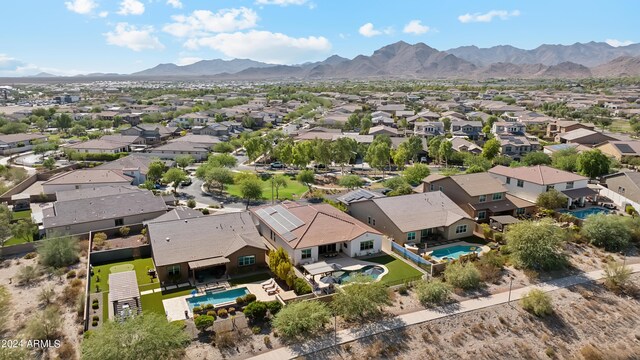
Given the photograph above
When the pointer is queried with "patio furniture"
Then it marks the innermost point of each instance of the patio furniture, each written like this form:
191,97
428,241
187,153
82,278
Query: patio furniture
270,288
268,283
273,292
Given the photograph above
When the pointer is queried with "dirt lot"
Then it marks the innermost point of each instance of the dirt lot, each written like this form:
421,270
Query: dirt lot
589,323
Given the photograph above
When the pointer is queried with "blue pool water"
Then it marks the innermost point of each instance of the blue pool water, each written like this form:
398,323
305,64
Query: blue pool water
454,252
373,271
217,297
583,213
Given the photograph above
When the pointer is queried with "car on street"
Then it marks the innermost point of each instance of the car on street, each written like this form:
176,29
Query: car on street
186,182
277,165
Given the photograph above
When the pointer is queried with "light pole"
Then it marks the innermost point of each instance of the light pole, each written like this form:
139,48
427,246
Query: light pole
335,328
510,286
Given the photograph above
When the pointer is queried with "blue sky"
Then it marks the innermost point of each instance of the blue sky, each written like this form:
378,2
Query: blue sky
82,36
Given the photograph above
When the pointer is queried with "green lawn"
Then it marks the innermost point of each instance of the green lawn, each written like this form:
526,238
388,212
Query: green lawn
293,187
26,214
139,265
16,241
619,125
250,279
105,308
398,269
152,303
173,294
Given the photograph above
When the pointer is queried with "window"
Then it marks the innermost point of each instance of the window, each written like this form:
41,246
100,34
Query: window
272,235
373,222
173,270
411,236
508,180
507,149
570,185
247,260
432,187
369,220
441,188
306,254
550,187
461,229
119,222
482,198
366,245
497,196
520,183
620,190
520,211
482,215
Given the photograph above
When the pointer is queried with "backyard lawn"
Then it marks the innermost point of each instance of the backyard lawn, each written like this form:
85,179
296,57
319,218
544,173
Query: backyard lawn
398,269
16,241
293,187
140,266
250,278
152,303
25,214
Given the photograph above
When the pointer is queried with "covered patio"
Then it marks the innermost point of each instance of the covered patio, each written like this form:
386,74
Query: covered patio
207,270
500,223
577,197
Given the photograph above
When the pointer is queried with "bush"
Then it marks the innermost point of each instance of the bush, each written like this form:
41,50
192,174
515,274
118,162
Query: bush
95,305
66,350
267,341
301,286
274,307
212,313
607,231
617,276
433,292
463,276
99,239
31,255
222,312
27,275
249,298
205,211
231,310
240,300
95,318
256,311
256,330
208,306
76,282
537,302
490,266
403,290
299,319
191,203
124,231
204,322
94,323
71,274
224,340
197,309
58,252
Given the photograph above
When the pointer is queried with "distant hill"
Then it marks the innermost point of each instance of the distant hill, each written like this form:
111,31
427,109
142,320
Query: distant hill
203,67
619,67
43,75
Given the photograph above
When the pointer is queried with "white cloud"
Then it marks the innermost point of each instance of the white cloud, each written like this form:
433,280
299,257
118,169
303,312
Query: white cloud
83,7
8,63
134,38
177,4
281,2
264,46
10,66
188,60
487,17
103,14
617,43
131,7
415,27
203,22
368,30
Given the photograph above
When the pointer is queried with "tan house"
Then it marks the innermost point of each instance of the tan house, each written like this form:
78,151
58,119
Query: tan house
415,217
85,178
585,137
620,149
203,248
563,126
479,195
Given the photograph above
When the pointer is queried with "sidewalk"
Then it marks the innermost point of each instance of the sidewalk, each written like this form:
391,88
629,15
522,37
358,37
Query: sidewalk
417,317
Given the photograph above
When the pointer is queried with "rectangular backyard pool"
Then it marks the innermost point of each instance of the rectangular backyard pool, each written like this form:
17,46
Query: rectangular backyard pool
583,213
217,297
454,252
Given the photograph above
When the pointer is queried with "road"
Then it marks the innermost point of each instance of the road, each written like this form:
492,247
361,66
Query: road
421,316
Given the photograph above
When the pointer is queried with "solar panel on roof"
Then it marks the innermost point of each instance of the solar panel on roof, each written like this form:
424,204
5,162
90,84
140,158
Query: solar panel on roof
625,148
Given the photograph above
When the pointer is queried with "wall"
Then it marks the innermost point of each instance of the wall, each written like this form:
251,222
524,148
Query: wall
121,254
96,226
261,260
353,247
53,188
450,232
6,197
618,199
365,209
530,191
630,192
17,249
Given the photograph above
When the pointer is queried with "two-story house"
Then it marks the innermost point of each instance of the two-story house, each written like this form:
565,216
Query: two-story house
469,129
506,127
152,133
563,126
480,195
528,182
517,146
428,128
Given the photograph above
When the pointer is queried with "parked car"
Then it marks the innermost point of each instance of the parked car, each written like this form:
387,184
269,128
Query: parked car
186,182
423,159
277,165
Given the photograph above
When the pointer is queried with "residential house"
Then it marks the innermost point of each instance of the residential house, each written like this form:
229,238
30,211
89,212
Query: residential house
454,115
91,209
16,143
151,133
583,137
468,129
135,166
215,129
204,140
563,126
384,130
620,149
85,178
172,150
99,146
308,231
191,119
358,195
424,116
625,187
415,217
550,149
428,128
528,182
510,128
517,146
205,247
480,195
462,145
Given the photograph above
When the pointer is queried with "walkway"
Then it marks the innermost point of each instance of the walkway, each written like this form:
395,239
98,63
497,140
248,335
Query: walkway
421,316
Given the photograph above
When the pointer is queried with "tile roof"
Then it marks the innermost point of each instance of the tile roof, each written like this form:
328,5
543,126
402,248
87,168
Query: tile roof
89,176
539,174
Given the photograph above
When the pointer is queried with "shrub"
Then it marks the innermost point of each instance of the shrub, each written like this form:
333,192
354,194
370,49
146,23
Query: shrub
27,274
124,231
95,317
249,298
71,274
537,302
617,276
31,255
463,276
267,341
487,232
204,322
274,307
433,292
403,290
208,306
45,324
240,300
94,323
490,266
82,273
46,295
76,283
256,330
191,203
224,340
66,350
256,311
59,252
607,231
301,286
95,305
301,318
197,309
99,239
231,310
212,313
537,244
205,211
222,312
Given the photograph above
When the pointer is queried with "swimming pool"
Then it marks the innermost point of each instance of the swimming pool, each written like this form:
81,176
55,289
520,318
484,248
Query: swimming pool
217,297
583,213
374,271
454,252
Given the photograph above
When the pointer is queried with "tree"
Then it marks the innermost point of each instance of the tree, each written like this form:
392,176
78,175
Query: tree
607,231
24,229
537,302
281,265
414,145
184,160
343,150
462,275
365,124
395,182
250,189
617,276
279,181
284,152
353,122
45,324
148,336
401,155
302,153
64,121
306,177
49,163
536,244
78,130
174,176
536,158
434,147
447,123
322,152
222,160
433,292
378,155
223,147
361,299
256,311
255,147
592,163
491,148
565,159
552,199
203,322
215,176
5,221
416,173
14,127
58,252
351,181
41,124
301,319
156,170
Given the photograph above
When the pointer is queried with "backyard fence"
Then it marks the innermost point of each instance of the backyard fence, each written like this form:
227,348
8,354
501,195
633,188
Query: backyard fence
414,258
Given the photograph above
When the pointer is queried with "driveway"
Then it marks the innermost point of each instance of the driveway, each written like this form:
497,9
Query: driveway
194,191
